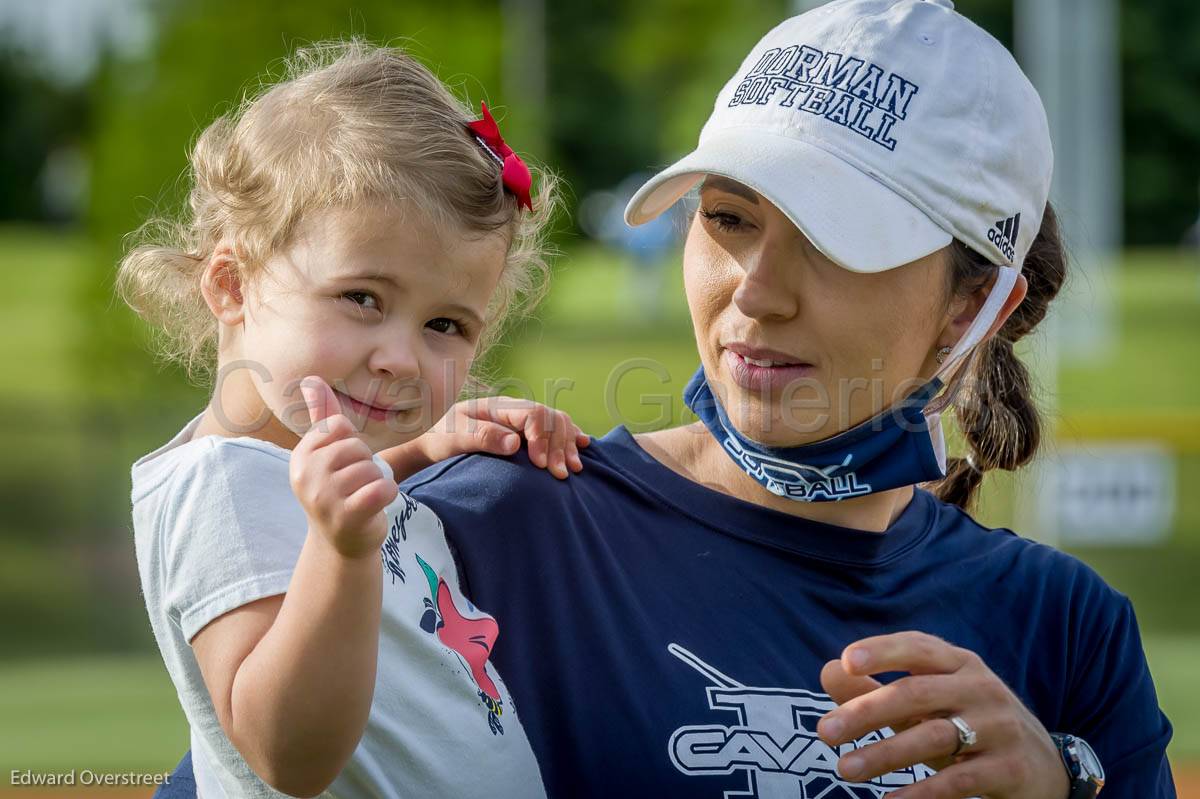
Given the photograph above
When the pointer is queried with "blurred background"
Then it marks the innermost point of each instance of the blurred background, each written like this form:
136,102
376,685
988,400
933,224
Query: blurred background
101,100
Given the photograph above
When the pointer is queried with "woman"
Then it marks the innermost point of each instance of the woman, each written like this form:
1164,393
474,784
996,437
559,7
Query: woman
695,614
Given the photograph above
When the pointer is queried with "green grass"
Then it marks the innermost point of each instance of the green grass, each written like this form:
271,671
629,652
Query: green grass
106,713
39,330
613,361
1152,366
1173,660
40,327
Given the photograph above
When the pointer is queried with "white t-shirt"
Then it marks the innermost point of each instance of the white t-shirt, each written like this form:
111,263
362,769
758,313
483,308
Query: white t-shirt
216,526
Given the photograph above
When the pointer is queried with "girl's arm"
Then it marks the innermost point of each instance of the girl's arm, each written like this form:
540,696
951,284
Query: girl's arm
495,425
292,677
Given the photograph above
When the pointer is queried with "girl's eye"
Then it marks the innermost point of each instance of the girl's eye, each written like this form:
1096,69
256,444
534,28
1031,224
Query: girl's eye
363,299
724,220
444,325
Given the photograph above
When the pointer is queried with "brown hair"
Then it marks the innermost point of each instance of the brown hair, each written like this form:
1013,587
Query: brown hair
994,403
349,123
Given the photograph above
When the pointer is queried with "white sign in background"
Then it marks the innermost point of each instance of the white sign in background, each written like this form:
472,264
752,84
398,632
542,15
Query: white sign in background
1118,493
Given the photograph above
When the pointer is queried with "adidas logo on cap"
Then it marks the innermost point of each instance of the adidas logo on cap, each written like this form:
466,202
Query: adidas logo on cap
1004,236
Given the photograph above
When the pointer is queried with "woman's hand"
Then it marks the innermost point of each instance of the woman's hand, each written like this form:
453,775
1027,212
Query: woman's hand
495,425
1013,757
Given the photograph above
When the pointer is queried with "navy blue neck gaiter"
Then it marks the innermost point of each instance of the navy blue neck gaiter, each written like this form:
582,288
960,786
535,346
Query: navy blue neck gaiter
893,449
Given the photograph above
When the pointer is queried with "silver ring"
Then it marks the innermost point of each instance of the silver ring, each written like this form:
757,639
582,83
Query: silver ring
966,735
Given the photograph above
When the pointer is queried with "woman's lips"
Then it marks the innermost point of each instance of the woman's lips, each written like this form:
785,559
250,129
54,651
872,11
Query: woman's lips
756,377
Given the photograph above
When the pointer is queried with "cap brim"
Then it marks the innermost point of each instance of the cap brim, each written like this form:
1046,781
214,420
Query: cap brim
849,216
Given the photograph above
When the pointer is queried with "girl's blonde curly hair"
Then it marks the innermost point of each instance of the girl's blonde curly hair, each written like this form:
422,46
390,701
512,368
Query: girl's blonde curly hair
350,123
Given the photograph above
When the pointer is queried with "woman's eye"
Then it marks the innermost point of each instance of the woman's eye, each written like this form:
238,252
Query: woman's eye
363,299
444,325
724,220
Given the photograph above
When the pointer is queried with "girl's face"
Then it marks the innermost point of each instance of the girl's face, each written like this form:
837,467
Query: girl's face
377,303
796,347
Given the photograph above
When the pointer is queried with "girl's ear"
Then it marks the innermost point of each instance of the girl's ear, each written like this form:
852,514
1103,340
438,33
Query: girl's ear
221,285
964,310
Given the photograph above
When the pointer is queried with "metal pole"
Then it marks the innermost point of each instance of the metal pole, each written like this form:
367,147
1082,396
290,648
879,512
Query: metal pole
1069,49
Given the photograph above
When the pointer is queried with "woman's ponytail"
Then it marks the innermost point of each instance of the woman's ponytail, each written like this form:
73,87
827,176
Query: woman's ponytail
995,406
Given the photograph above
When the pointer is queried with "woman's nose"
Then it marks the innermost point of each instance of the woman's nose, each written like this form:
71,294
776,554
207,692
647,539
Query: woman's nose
765,289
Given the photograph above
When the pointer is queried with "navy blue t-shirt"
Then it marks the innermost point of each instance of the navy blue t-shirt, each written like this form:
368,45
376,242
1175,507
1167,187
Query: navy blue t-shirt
664,639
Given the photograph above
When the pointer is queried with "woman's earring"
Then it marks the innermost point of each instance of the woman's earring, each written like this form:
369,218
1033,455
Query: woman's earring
942,354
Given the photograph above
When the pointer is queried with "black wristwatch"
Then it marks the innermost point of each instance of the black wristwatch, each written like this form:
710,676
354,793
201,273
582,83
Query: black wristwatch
1083,767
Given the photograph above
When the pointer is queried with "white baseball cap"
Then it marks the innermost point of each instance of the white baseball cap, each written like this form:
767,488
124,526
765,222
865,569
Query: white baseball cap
882,129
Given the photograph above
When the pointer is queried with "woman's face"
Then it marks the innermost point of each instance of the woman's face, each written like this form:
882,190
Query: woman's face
796,347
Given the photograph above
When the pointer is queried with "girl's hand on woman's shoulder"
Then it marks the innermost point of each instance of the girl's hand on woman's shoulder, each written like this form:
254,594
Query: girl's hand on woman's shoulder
495,425
1013,756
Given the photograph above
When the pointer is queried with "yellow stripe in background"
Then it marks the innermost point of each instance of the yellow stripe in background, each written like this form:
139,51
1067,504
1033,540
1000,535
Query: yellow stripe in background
1179,430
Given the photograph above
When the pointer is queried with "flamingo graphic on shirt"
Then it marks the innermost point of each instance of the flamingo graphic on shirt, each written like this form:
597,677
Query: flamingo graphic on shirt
471,639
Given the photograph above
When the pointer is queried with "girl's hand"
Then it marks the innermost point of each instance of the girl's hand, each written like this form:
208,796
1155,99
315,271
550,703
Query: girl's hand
495,425
1013,756
342,490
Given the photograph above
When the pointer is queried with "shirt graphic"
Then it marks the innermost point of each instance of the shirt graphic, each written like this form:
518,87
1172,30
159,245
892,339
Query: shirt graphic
774,741
471,639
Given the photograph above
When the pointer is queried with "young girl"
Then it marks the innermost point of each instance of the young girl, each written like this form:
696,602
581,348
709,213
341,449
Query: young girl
355,242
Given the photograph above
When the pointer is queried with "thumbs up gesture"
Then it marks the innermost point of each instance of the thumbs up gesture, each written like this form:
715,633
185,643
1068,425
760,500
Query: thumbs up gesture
342,489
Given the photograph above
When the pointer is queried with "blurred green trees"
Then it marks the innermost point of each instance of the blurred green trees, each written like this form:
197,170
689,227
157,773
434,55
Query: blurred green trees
1160,93
628,84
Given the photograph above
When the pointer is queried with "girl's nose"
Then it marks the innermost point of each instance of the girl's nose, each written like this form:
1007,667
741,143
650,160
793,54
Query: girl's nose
395,358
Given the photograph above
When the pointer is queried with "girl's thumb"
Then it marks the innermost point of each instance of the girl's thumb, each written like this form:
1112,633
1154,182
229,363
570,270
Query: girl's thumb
319,397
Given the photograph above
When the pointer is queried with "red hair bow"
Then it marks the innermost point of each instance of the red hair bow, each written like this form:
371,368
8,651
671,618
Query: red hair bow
513,171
